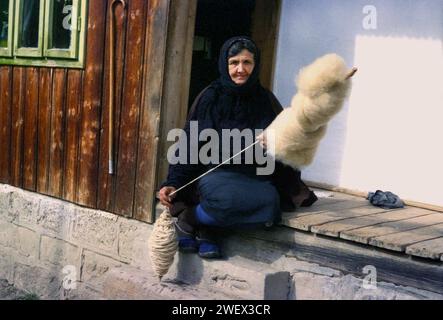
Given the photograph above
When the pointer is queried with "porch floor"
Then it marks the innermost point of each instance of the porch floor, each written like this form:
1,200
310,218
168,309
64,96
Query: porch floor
410,230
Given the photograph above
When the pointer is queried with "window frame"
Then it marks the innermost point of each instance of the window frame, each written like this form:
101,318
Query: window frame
64,58
70,53
28,51
7,51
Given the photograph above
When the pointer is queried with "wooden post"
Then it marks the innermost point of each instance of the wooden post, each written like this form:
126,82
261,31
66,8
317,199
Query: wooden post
265,22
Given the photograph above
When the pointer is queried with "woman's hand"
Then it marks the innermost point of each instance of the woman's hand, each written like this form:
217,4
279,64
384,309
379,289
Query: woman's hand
263,140
165,197
351,73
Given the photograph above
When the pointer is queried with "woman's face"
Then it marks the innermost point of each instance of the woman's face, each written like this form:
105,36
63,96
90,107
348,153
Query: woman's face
241,66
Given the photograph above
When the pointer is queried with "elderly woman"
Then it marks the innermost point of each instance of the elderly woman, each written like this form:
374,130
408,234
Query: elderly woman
232,195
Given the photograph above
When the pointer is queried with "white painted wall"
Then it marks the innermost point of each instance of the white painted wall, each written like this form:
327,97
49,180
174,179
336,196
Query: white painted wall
390,134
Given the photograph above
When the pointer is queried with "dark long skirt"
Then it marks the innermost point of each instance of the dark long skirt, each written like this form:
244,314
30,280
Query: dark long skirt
234,199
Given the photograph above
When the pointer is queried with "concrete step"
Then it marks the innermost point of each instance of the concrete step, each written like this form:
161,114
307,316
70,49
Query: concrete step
129,283
235,277
193,278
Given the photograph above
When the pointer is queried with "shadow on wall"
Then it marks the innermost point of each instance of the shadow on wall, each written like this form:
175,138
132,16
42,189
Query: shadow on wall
397,46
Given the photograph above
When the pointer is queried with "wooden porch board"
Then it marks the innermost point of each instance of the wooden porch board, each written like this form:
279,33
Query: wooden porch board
375,216
326,205
399,241
321,203
326,200
432,249
414,231
335,212
384,224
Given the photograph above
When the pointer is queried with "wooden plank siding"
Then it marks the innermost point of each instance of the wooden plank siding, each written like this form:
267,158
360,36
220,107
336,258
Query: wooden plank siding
18,89
106,182
54,121
73,104
148,139
30,130
91,106
56,146
129,115
5,123
44,129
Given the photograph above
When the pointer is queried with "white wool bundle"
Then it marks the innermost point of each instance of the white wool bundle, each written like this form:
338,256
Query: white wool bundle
293,137
163,244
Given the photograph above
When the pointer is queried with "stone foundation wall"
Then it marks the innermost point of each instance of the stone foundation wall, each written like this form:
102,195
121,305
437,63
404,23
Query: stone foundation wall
58,250
45,243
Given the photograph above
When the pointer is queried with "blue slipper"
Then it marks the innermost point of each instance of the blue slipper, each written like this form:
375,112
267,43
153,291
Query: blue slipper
187,245
208,250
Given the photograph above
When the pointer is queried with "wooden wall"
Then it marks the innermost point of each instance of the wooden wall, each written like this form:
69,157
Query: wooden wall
54,122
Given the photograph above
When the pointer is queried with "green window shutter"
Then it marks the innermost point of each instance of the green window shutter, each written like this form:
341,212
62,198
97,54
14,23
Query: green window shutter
6,27
28,28
62,28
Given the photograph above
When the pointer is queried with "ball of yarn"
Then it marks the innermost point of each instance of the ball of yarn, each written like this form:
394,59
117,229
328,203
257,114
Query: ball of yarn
163,244
293,137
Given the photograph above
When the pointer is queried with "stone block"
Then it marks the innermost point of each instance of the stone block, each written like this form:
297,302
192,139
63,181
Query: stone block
309,286
24,208
9,292
6,266
59,252
390,291
28,242
22,240
133,242
95,229
5,205
236,277
129,283
82,292
54,217
95,266
34,279
304,266
8,234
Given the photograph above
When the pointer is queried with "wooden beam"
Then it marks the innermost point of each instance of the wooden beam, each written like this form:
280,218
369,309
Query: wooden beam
265,23
177,74
153,88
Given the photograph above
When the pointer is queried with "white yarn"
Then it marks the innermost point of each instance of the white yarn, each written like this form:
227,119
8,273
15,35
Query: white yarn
163,244
293,137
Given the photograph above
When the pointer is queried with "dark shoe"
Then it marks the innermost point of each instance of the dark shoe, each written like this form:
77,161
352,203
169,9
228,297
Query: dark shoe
310,200
269,226
208,247
186,238
208,250
187,245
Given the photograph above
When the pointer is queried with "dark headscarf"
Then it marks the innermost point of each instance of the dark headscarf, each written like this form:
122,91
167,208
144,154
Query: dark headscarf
253,83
